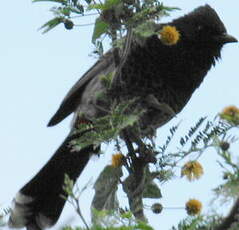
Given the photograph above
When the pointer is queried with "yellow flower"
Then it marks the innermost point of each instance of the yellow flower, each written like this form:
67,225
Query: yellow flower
230,110
231,114
193,207
117,160
169,35
192,170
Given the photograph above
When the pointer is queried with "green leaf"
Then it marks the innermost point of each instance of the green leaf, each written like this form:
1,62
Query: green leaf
107,5
100,28
152,191
170,8
51,24
59,1
108,127
110,3
143,226
95,7
143,31
105,188
127,215
66,11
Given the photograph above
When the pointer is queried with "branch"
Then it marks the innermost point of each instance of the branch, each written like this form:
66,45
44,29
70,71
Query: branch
232,218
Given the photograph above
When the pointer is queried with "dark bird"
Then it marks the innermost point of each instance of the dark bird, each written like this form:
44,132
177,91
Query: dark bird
163,77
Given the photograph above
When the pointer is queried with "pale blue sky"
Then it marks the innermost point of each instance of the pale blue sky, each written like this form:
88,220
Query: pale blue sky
37,71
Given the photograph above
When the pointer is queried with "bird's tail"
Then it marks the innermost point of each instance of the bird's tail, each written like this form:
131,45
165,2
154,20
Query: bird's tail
39,203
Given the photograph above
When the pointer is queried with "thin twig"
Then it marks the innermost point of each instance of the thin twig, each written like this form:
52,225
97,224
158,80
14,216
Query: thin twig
87,24
80,213
84,15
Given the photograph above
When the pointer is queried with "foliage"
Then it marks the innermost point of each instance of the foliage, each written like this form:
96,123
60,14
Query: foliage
198,223
105,187
107,127
114,221
112,17
214,134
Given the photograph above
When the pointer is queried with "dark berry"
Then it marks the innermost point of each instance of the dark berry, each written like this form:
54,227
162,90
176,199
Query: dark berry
68,24
157,208
224,145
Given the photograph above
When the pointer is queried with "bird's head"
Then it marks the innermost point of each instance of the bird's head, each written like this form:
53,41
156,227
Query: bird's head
203,26
202,34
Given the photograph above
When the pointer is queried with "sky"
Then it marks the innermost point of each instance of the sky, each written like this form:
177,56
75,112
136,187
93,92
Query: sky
38,70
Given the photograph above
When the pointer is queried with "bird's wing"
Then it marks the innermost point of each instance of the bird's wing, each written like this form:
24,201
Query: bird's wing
72,99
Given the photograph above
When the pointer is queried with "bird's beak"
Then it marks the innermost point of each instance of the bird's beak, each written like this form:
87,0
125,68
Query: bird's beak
225,38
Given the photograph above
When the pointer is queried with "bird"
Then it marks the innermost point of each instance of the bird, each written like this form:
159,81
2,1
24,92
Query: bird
162,77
